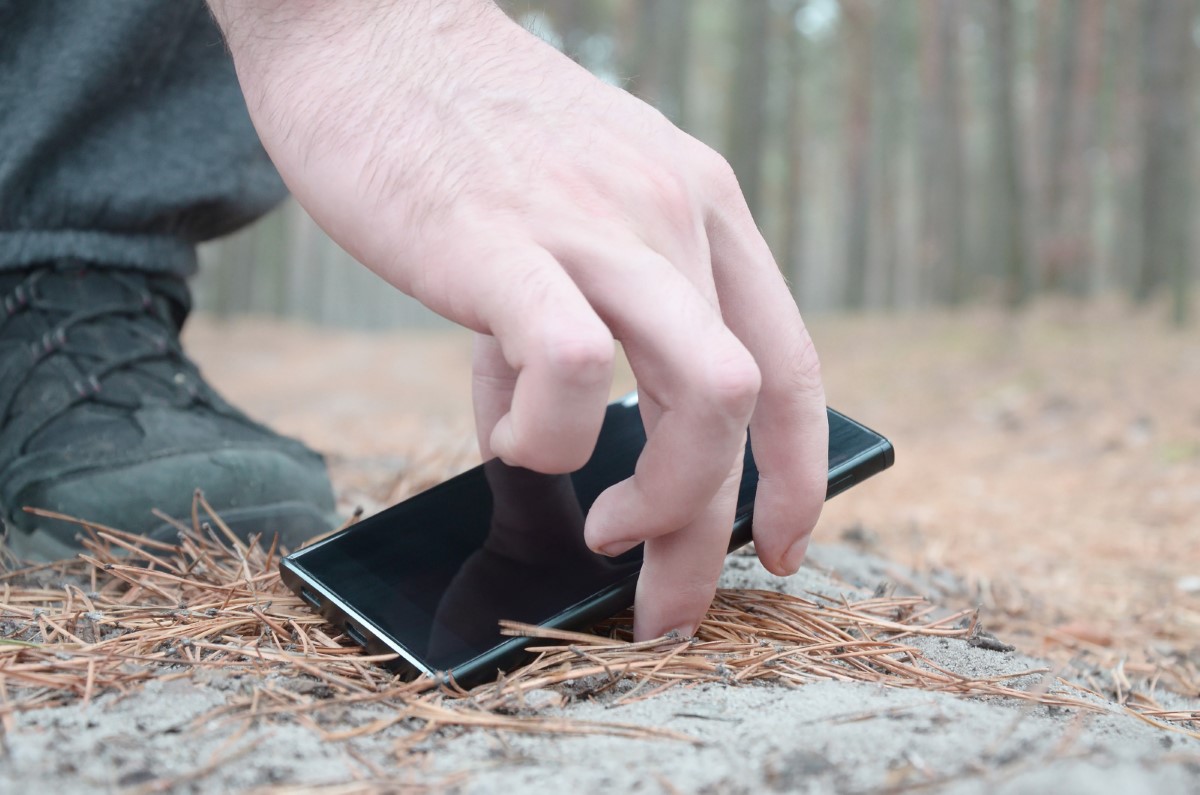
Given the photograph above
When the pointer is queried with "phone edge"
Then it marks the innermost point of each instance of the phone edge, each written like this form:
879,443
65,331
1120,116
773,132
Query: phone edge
590,610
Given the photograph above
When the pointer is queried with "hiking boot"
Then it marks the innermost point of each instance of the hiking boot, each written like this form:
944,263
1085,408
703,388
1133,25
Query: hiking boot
103,417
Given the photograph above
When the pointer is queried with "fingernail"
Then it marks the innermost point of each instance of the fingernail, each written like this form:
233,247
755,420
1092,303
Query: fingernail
795,555
617,548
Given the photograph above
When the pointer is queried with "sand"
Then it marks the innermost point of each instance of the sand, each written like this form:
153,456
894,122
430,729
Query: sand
821,737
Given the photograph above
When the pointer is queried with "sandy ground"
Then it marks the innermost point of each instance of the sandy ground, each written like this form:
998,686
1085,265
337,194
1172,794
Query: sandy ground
822,737
1048,469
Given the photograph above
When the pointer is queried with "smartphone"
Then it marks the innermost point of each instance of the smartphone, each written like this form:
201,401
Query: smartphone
431,578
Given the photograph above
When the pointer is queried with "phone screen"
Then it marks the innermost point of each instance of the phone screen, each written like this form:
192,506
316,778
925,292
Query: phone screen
436,573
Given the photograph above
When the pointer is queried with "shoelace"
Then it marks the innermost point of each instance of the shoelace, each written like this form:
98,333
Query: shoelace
92,365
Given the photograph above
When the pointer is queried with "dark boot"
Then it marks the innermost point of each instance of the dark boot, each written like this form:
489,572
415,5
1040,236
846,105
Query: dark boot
103,417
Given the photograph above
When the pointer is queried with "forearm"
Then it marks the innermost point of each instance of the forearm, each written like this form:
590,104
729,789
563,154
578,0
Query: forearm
237,17
262,32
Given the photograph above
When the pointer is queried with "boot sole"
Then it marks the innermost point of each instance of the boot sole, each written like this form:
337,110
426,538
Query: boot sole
294,522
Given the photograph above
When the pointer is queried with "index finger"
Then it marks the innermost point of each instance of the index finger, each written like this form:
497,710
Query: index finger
680,570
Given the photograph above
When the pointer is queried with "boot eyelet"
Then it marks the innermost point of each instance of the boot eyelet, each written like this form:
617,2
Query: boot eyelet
88,387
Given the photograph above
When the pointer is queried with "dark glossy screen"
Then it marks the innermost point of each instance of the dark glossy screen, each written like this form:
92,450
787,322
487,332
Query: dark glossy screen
438,571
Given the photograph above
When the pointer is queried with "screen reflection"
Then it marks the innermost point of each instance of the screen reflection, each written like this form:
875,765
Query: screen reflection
533,556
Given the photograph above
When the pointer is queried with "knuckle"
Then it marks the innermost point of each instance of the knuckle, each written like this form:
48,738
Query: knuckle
580,359
721,176
802,370
733,381
809,366
793,370
670,194
723,191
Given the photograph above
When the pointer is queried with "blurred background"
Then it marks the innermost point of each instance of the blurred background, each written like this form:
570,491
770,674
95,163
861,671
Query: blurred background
987,210
897,154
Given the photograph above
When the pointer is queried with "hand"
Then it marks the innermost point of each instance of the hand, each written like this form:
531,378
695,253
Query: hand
482,172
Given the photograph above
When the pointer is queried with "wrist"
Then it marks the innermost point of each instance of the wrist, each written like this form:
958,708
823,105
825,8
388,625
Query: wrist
261,33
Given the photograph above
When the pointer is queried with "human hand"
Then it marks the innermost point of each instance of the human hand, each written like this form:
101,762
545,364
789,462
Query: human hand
477,169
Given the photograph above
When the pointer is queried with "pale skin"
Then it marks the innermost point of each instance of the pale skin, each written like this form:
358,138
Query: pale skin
477,169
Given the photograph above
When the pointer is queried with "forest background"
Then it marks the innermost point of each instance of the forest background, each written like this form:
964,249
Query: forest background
898,154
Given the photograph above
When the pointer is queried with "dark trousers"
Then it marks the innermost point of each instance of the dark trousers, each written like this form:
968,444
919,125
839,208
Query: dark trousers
124,139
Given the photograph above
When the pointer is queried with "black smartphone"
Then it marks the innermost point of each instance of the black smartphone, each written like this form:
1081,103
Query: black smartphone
431,578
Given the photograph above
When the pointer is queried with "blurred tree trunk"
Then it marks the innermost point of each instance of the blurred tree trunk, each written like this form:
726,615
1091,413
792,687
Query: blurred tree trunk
1126,156
958,271
1080,200
1046,17
654,43
888,95
676,26
1166,156
942,225
1060,70
1009,250
856,15
1105,192
930,242
791,255
1065,245
748,101
637,44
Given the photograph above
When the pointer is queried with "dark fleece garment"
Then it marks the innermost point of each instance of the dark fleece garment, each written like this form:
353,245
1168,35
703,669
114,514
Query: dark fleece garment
124,138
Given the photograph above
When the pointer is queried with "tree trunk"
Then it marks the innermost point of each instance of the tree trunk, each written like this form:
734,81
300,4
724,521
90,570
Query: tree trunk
1009,246
1166,156
931,248
943,233
1126,237
888,132
857,26
748,101
1065,244
791,254
638,41
1063,61
956,194
676,27
1085,111
1047,107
